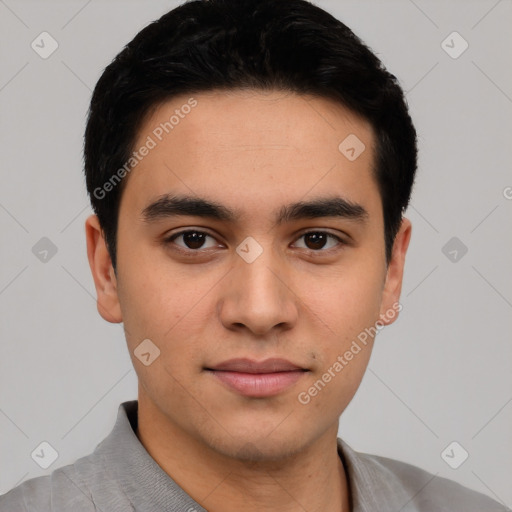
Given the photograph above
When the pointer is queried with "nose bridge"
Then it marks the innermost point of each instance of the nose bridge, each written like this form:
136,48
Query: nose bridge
256,295
260,278
260,285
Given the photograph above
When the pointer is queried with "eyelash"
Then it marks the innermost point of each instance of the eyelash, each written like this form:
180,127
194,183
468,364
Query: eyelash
195,252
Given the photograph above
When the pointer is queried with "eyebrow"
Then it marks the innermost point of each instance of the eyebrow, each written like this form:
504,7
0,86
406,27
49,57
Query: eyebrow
182,205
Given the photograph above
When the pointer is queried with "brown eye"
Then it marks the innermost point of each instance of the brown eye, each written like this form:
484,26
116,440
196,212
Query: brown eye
318,240
191,239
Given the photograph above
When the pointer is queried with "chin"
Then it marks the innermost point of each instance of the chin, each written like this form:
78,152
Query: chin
258,446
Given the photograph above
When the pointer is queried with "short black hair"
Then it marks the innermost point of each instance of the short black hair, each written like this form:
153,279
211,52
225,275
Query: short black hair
206,45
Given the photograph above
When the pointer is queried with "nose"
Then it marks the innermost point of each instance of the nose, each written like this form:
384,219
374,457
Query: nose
258,297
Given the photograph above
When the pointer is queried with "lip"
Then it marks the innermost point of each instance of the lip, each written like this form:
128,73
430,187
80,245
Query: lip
244,365
258,378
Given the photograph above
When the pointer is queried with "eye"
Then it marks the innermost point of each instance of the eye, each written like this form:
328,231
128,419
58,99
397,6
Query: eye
317,240
192,239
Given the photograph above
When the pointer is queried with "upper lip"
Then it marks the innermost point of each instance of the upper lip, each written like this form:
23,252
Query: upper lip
243,365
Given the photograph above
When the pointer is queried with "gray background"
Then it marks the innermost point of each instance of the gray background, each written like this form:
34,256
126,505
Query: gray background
442,373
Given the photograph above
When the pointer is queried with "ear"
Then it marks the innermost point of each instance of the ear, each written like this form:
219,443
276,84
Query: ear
102,270
393,286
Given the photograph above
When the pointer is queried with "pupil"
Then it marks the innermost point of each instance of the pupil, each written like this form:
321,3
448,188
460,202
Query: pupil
317,240
193,239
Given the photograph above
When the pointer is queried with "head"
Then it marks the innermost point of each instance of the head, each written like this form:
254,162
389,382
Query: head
275,139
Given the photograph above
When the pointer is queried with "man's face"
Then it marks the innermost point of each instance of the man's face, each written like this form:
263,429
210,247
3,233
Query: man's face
272,282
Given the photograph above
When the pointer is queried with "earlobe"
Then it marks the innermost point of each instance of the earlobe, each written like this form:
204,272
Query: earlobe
102,270
390,305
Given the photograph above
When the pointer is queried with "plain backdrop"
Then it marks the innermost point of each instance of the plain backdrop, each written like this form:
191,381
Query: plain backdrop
441,374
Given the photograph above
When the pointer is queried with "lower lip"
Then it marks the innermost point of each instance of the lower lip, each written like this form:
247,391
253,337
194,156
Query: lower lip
258,384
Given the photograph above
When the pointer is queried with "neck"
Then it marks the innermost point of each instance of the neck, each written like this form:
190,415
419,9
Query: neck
313,479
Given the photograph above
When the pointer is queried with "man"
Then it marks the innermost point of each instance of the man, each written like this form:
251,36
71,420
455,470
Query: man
249,163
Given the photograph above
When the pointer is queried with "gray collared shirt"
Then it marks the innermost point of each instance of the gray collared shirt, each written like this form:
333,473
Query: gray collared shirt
121,476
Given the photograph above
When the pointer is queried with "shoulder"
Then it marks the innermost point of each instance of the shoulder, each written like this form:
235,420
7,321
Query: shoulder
386,484
91,483
80,487
437,493
62,490
430,492
25,496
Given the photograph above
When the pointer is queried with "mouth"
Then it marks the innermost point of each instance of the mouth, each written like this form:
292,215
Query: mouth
257,379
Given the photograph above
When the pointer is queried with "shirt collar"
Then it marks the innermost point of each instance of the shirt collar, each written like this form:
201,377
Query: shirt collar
372,485
145,484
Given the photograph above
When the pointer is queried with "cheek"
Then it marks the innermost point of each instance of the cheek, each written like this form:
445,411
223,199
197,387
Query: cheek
164,313
154,295
168,306
349,300
349,308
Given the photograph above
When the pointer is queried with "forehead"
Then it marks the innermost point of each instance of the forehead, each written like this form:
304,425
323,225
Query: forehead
249,147
275,119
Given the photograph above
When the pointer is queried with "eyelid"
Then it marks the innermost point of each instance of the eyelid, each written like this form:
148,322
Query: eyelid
343,237
167,239
340,239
